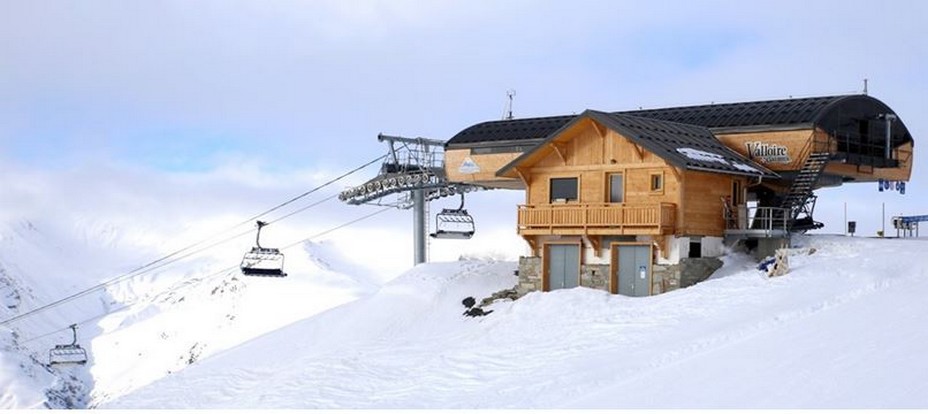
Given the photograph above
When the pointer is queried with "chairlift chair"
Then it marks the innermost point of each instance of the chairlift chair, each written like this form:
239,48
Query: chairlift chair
454,223
263,261
69,353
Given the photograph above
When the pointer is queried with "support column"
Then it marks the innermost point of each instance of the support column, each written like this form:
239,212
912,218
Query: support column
418,225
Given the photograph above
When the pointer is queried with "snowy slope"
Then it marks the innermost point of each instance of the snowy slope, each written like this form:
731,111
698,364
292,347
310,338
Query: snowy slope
154,324
846,328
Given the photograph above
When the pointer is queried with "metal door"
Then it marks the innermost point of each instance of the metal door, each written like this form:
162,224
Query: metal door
563,266
634,267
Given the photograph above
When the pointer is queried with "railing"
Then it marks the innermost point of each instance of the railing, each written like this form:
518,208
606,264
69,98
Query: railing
659,217
768,221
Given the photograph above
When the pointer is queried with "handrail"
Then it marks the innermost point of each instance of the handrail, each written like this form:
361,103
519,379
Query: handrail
755,218
596,215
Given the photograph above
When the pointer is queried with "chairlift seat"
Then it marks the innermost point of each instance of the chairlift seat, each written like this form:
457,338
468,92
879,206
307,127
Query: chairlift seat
67,354
453,224
263,261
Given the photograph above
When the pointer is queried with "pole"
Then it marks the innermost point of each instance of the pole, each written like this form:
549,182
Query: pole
889,134
883,234
845,218
418,225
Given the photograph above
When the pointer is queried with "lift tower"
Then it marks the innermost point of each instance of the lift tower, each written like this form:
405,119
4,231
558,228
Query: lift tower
412,175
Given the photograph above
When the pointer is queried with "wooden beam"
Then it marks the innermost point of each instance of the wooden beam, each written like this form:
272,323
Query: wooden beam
522,175
531,244
660,242
595,242
601,130
639,152
677,173
561,151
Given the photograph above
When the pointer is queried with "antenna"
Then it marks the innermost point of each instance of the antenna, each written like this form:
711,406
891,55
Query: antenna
865,86
509,94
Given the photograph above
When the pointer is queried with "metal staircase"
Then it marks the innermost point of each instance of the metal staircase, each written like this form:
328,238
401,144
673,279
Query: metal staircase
800,198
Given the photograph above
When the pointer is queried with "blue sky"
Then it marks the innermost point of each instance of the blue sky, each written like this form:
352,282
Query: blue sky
303,87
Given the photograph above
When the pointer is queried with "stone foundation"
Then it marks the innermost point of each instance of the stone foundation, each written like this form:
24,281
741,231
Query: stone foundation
664,278
595,276
688,272
529,275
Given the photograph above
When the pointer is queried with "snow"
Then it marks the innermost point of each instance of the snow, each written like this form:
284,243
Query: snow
700,155
843,329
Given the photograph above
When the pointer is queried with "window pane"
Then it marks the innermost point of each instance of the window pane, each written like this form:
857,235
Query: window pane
563,188
656,182
615,188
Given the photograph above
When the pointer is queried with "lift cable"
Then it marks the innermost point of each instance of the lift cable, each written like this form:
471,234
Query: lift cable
219,272
164,261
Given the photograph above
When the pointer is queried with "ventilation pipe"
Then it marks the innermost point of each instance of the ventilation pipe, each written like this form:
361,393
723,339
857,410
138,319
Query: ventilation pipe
889,118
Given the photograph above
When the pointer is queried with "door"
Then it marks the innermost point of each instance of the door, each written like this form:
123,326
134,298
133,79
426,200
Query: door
563,266
634,269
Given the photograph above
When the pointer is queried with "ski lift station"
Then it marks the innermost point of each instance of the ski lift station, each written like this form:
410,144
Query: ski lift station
642,202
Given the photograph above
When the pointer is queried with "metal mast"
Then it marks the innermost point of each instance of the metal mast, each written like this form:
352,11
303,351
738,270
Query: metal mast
413,173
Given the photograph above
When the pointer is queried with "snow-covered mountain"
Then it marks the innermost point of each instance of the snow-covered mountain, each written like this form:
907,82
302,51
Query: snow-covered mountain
149,326
846,328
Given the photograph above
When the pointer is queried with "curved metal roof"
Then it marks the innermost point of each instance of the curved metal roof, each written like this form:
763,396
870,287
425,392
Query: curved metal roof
830,113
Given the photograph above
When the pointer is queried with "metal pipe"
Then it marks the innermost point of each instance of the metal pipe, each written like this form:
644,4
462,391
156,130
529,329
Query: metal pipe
889,134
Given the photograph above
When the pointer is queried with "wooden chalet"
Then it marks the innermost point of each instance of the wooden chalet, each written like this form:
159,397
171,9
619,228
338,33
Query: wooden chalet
642,202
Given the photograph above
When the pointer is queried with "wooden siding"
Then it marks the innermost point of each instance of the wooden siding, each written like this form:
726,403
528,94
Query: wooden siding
591,153
798,145
488,164
702,205
591,158
794,141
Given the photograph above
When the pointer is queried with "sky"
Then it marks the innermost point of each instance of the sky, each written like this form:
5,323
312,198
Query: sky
174,116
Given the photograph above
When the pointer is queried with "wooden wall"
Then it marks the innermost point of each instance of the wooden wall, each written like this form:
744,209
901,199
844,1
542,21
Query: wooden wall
702,204
795,142
592,153
488,164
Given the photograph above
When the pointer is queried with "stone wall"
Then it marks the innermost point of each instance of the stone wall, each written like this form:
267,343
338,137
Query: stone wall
688,272
529,275
595,276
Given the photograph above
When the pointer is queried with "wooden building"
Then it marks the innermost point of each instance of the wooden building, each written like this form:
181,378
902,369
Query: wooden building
640,202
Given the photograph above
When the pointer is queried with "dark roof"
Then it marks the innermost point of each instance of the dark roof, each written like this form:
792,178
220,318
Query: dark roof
782,112
830,113
511,130
687,146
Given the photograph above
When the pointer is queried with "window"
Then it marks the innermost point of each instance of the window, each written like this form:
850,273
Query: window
615,188
657,182
563,189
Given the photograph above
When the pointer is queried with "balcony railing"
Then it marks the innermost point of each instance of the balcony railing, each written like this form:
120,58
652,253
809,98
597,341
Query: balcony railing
600,218
752,221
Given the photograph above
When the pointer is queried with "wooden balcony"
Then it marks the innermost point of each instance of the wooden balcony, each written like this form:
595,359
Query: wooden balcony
597,219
